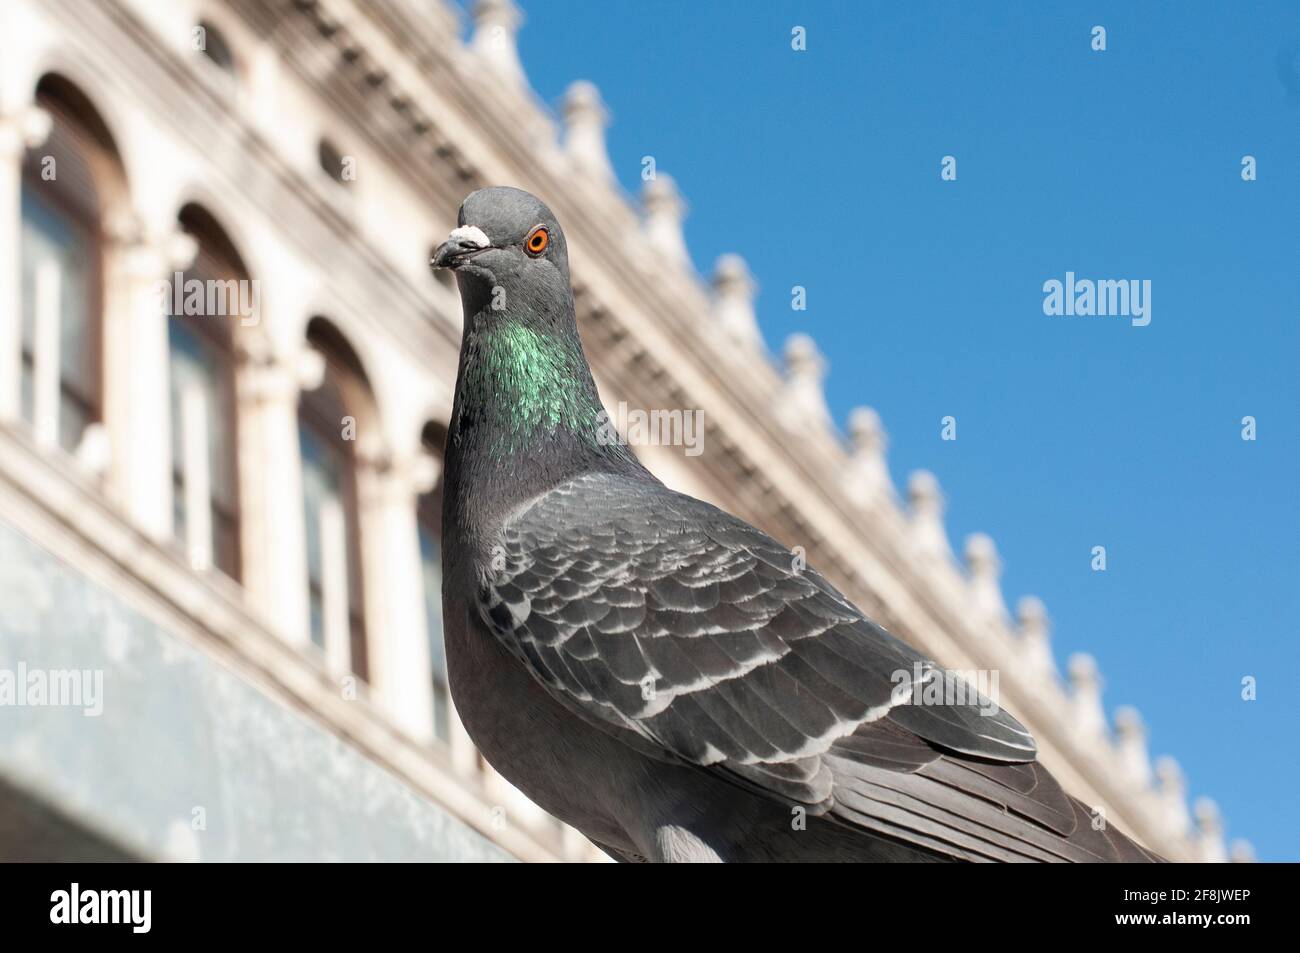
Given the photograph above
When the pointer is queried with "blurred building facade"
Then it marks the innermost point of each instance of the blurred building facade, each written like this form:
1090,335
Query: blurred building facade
225,378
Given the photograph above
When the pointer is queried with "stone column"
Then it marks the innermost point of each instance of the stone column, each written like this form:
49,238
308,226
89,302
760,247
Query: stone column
274,542
19,132
400,676
137,399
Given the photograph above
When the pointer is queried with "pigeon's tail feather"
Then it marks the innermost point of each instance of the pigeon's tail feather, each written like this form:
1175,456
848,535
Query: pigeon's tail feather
967,808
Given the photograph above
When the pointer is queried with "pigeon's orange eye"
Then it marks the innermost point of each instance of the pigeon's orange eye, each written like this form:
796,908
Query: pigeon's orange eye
538,241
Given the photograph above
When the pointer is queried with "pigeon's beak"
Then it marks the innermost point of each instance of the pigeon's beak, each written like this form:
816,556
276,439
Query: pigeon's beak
462,244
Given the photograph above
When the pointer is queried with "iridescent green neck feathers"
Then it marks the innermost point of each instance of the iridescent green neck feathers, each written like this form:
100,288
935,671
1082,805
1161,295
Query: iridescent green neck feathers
523,386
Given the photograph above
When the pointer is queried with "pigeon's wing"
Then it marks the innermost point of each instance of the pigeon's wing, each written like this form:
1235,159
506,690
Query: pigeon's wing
696,637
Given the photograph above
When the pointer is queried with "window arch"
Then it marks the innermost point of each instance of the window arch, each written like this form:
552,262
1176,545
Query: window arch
330,419
215,297
429,522
69,185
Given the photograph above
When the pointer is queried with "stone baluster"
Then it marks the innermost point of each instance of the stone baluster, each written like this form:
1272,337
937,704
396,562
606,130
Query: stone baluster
1172,792
496,26
866,479
1035,636
585,119
801,404
985,570
664,212
1131,741
1210,848
733,304
926,515
1085,697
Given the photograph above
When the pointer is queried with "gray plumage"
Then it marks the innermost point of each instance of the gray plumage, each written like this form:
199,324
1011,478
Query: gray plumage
658,673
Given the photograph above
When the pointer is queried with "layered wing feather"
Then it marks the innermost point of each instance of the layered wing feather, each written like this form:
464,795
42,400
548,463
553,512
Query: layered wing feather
698,638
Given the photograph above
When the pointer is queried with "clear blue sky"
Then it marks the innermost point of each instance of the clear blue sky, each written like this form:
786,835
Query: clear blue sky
822,169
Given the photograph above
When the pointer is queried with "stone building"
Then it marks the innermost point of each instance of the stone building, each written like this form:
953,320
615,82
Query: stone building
225,378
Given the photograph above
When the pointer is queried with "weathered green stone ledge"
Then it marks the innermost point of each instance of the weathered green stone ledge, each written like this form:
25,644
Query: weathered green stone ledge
187,760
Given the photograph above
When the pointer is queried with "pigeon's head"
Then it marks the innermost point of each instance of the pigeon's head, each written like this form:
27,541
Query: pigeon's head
505,240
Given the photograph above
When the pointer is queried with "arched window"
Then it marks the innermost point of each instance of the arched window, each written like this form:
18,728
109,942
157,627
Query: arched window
429,517
66,190
329,420
215,298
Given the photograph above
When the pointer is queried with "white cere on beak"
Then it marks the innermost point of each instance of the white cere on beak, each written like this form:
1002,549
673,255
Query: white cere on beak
471,234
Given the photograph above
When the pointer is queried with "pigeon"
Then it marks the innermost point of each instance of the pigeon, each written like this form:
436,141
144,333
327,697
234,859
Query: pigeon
663,676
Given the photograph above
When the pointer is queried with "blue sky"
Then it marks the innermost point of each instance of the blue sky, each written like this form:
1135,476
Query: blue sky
822,168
